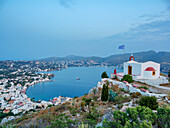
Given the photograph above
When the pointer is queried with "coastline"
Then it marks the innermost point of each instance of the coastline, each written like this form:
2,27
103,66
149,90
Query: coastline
28,104
15,99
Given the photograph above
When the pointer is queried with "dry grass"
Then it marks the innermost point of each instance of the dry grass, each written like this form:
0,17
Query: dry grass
163,103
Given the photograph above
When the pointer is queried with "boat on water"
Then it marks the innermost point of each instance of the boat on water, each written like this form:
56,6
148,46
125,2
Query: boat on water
78,78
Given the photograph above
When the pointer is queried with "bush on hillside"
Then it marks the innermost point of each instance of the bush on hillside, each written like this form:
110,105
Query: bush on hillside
135,94
112,95
148,101
138,117
163,117
104,75
144,87
127,78
120,99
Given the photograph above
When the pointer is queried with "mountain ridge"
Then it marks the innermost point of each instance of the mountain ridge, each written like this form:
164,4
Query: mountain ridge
159,57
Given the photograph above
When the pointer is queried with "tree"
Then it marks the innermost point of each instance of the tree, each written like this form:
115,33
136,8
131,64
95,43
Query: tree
127,78
104,75
105,93
148,101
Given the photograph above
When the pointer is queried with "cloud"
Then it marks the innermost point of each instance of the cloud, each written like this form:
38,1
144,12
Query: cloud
150,18
66,3
154,31
150,15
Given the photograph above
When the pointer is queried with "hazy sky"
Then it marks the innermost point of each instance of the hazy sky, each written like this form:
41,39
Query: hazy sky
32,29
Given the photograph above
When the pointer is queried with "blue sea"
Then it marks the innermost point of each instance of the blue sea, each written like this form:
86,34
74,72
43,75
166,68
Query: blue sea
65,84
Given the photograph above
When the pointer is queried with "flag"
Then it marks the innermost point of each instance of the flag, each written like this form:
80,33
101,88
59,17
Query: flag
122,47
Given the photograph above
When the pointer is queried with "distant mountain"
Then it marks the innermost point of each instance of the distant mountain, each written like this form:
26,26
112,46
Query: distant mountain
67,58
159,57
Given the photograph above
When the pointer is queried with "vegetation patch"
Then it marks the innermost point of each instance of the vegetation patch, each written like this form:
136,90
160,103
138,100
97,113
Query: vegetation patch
127,78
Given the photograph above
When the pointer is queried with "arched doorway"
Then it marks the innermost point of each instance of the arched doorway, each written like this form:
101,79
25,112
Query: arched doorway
130,70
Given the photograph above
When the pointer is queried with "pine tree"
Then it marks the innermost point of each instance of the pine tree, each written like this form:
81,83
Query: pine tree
106,93
103,92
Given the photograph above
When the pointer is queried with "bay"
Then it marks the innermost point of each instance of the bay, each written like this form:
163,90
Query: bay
65,84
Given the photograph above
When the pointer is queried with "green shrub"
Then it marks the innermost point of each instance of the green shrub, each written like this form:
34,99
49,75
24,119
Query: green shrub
88,102
123,90
104,75
163,117
73,111
127,78
112,95
120,106
144,87
119,99
50,106
148,101
138,117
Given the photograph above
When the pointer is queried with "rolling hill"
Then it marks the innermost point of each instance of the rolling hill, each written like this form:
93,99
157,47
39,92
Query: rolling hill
159,57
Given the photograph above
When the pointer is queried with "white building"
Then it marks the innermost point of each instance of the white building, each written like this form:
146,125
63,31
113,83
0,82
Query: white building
147,70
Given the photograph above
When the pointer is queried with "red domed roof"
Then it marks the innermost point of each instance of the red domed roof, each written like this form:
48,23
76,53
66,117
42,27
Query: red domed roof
150,69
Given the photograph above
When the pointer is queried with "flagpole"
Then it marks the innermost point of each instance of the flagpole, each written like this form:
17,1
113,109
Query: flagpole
124,53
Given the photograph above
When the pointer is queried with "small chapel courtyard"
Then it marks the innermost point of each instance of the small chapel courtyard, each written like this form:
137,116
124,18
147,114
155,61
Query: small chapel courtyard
145,74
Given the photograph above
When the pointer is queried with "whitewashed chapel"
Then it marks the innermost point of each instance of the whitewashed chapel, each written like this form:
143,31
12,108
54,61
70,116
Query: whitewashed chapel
147,70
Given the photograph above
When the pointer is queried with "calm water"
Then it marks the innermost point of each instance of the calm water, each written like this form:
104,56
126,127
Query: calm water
65,83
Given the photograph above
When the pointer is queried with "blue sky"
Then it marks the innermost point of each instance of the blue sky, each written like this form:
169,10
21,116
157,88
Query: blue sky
32,29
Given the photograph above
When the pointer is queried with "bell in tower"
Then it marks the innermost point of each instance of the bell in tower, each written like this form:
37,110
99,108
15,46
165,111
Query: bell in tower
131,58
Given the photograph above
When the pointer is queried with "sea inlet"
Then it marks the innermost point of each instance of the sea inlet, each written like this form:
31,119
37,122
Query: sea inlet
65,83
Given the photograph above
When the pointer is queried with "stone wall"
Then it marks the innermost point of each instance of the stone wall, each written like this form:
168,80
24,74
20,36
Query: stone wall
129,87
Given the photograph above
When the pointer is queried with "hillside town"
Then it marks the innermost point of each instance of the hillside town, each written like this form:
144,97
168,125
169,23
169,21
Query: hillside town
13,85
10,68
16,78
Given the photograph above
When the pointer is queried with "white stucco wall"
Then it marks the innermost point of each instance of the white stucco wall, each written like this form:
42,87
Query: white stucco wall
148,74
136,68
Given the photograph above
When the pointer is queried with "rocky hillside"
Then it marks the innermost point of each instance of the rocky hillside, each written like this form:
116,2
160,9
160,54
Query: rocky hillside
90,111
